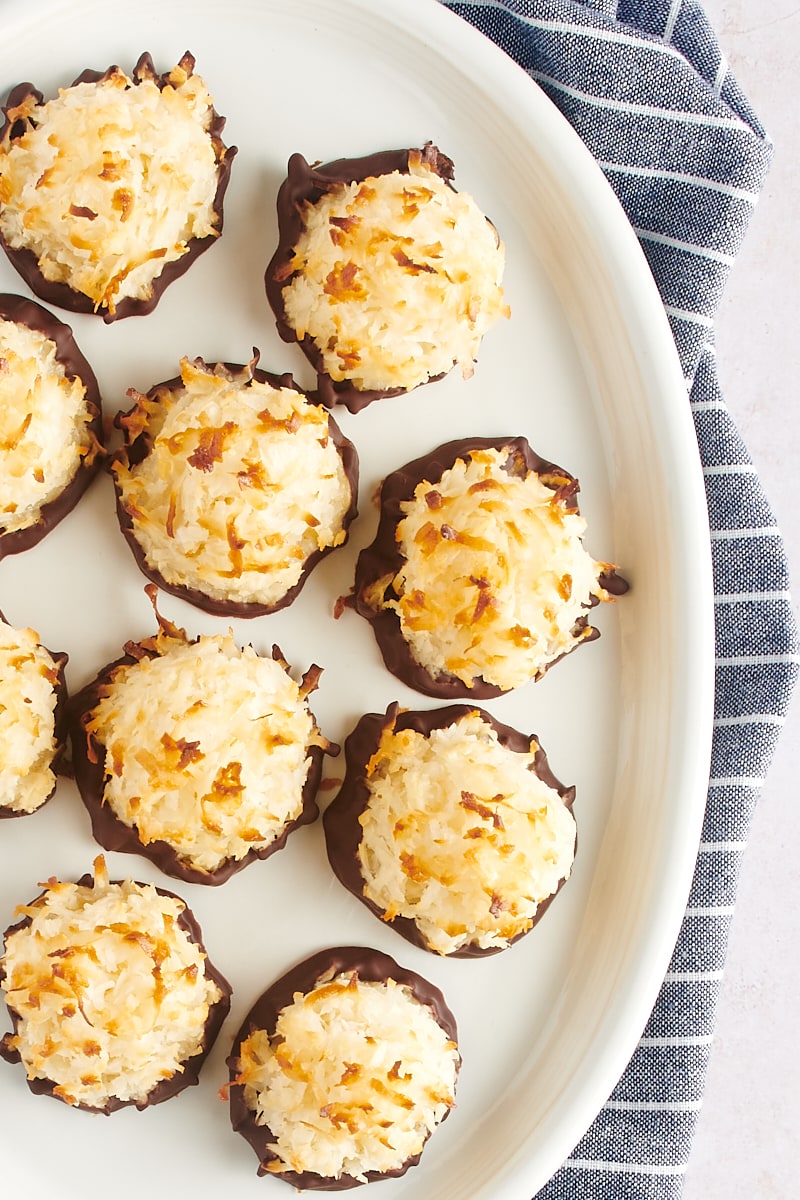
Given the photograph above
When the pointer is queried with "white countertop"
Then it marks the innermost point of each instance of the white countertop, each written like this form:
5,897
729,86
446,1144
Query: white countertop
746,1142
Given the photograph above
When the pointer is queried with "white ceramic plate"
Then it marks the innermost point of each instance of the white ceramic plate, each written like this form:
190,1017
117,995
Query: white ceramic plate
586,370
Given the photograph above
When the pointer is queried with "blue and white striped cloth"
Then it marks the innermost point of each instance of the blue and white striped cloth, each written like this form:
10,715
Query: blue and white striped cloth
646,86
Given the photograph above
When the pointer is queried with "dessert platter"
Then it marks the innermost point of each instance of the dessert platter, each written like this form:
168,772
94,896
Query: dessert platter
364,601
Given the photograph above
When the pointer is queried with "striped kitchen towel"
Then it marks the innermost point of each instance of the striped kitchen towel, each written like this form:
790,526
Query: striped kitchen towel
646,86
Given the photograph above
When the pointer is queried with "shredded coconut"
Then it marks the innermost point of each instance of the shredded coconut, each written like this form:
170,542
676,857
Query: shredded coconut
242,485
44,425
354,1078
110,991
495,576
398,279
461,835
28,676
110,181
206,748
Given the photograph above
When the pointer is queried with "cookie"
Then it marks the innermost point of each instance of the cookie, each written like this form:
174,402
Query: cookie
477,580
342,1070
111,189
385,275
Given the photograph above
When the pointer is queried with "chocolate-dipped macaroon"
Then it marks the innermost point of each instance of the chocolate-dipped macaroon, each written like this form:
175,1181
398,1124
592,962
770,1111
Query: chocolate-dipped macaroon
385,275
342,1070
33,699
232,485
113,998
50,423
451,827
111,189
477,580
198,754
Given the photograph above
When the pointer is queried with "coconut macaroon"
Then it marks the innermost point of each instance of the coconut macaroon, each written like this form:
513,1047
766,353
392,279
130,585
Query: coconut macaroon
33,694
477,580
112,188
451,827
50,423
113,999
342,1070
200,755
232,485
384,273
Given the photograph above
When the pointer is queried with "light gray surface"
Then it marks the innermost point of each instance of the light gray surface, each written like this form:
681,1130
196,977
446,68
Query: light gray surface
746,1144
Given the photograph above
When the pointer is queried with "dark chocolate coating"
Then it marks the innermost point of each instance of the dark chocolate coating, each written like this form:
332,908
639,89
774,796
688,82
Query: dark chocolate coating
59,721
372,966
307,183
383,557
136,451
340,820
25,261
27,312
89,766
167,1088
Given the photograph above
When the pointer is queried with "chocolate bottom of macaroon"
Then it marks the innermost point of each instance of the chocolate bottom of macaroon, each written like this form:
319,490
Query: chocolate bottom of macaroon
306,183
371,966
136,451
189,1075
343,832
27,312
25,262
382,560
